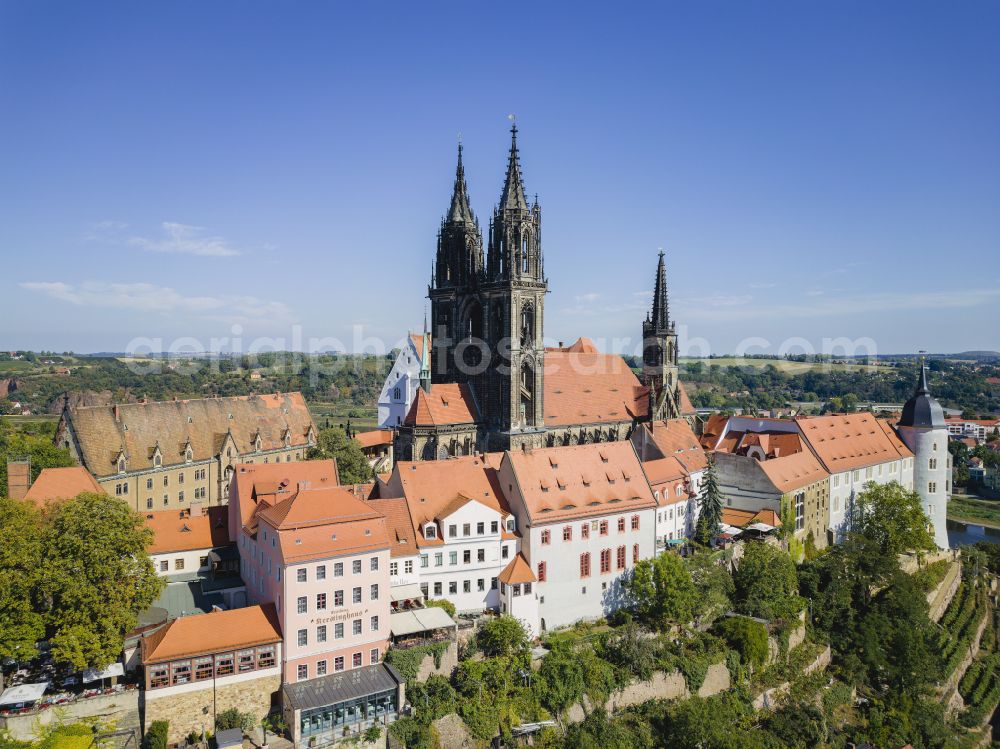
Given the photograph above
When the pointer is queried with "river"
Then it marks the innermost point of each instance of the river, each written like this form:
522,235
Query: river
968,533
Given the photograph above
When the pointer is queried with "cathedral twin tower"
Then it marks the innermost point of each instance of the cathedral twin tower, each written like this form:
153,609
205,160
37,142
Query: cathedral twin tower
487,313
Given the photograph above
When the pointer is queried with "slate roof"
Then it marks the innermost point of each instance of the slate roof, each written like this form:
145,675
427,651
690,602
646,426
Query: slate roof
138,428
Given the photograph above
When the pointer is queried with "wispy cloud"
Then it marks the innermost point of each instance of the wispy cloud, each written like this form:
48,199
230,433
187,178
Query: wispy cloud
592,296
186,240
147,297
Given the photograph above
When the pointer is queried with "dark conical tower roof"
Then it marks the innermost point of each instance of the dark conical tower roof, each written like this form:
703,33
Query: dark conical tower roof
922,410
513,188
661,313
460,212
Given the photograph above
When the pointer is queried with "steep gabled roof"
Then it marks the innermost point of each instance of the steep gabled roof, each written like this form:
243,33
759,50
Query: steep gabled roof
103,432
178,530
845,442
402,536
586,387
62,483
560,483
675,438
447,403
793,471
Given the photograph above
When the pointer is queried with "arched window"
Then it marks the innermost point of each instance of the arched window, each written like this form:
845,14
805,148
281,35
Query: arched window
524,253
121,465
395,394
527,394
527,325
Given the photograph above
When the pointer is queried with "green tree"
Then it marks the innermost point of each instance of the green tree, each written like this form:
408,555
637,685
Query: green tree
560,679
21,555
98,578
503,636
713,583
662,591
892,519
747,637
766,583
38,449
709,508
352,465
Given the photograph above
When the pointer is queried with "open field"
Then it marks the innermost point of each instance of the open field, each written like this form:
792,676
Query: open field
338,414
783,365
968,510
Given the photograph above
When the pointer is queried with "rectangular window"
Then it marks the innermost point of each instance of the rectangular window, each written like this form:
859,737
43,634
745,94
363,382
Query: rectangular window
374,564
423,561
932,487
149,483
604,527
356,660
452,557
373,624
393,569
635,554
480,529
635,522
265,657
568,533
224,664
546,536
321,572
165,565
494,527
338,663
452,531
321,633
373,593
356,626
246,660
356,595
585,531
301,575
467,556
203,668
800,511
438,559
437,589
303,638
301,605
605,560
356,567
504,551
338,569
585,565
373,656
453,587
338,598
621,557
932,463
467,586
321,668
338,631
466,529
302,671
481,585
541,572
621,525
480,555
408,566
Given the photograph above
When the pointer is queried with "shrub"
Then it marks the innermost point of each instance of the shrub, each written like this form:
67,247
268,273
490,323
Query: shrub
233,718
156,736
747,637
442,604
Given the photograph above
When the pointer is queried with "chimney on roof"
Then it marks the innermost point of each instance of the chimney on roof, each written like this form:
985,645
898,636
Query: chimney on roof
117,412
18,478
560,344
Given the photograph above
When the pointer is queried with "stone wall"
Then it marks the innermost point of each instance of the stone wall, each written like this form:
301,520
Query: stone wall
939,598
449,660
121,709
661,686
771,698
191,711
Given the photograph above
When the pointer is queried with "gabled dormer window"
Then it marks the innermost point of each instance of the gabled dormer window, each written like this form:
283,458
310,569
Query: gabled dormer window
510,524
188,453
311,436
122,464
157,461
430,531
288,438
257,442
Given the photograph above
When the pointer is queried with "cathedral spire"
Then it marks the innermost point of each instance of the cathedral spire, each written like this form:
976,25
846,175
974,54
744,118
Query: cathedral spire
460,211
513,188
661,314
425,359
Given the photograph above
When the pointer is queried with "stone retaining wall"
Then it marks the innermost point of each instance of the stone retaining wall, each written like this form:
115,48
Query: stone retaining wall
121,709
449,660
939,598
770,698
191,711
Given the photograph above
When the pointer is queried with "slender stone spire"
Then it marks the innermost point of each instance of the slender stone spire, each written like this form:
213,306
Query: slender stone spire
425,359
661,314
513,188
460,212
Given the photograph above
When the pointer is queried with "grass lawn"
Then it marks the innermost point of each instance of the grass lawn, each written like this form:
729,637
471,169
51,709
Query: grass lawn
338,414
983,511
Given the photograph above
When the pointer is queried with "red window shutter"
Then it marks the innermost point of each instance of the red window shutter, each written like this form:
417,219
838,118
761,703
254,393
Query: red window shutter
621,557
635,554
541,572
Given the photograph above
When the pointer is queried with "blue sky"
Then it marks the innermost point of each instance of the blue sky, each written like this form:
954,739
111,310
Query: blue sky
813,170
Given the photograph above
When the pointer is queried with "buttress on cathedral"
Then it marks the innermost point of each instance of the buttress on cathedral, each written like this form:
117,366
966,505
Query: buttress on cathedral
486,381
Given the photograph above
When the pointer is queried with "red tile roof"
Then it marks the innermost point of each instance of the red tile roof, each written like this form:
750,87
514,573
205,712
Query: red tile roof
217,632
743,518
178,530
791,472
402,536
845,442
674,438
517,571
586,387
62,483
266,483
447,403
559,483
375,438
431,488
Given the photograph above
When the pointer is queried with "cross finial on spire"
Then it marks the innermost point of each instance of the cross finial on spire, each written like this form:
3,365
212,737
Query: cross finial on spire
513,196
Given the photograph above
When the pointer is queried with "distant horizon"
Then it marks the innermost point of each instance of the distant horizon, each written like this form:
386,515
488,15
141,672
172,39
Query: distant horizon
813,172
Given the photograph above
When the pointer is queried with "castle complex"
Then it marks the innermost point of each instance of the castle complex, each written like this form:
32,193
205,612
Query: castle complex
486,380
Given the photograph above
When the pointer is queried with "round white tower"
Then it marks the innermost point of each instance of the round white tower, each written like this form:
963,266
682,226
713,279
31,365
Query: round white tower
923,429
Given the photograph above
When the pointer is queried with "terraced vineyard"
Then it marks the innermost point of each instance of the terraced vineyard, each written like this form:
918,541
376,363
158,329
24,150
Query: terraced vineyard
980,686
960,622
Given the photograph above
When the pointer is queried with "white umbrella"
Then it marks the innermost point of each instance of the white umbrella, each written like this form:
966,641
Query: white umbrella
23,693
